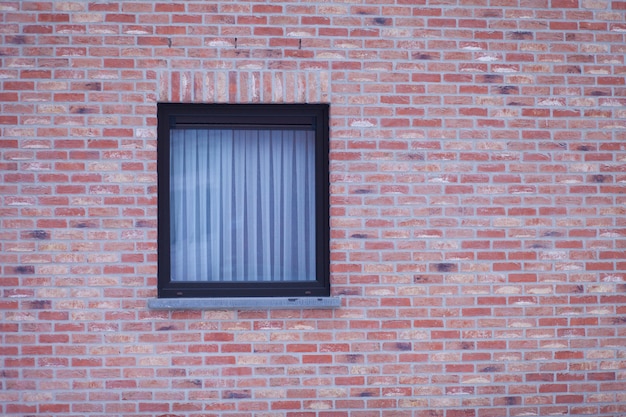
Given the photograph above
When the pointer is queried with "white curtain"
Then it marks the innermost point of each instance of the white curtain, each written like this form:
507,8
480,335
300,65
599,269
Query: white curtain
242,205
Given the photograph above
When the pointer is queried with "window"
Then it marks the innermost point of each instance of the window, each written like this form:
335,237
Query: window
243,200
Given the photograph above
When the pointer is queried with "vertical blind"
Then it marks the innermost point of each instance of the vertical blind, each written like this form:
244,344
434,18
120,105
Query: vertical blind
242,205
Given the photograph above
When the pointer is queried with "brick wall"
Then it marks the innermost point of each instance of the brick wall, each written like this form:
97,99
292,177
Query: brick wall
478,208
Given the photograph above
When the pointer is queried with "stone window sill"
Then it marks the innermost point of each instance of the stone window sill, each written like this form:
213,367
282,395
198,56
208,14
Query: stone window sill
244,303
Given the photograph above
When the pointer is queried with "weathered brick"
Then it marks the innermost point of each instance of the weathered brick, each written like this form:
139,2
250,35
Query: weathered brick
476,211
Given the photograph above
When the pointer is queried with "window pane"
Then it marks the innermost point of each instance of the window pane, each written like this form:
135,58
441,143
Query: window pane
242,205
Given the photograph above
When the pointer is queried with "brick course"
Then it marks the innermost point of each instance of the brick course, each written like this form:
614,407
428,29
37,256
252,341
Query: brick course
478,232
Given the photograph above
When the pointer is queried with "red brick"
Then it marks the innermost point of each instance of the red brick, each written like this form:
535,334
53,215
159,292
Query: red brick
476,209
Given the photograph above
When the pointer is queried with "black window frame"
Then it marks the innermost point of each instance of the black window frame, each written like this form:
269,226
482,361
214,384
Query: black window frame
171,115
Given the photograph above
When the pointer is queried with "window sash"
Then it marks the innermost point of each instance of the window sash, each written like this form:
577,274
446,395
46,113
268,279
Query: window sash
242,205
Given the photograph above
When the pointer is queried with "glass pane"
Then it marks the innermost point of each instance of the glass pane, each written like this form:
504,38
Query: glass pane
242,205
